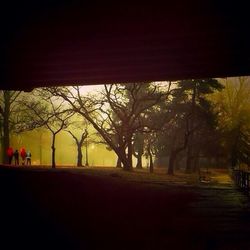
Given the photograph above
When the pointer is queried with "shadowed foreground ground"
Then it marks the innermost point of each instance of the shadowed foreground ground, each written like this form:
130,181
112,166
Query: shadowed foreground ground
110,209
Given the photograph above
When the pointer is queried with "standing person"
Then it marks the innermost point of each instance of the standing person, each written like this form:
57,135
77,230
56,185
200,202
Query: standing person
10,154
28,158
23,155
16,157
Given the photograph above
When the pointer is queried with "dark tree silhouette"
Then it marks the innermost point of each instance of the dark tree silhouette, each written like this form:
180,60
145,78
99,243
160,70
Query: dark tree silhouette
51,113
79,143
117,113
184,122
8,111
78,129
191,97
138,147
149,141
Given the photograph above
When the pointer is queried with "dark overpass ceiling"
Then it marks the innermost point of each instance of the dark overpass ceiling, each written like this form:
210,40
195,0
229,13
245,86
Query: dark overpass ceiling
47,43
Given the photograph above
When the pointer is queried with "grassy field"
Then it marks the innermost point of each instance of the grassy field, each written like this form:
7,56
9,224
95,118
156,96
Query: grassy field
159,177
108,208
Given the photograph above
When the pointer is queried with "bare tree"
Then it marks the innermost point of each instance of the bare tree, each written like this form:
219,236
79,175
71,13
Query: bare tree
79,143
117,113
51,113
79,140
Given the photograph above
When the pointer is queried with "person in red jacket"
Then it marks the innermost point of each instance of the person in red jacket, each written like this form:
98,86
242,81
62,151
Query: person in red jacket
10,154
23,155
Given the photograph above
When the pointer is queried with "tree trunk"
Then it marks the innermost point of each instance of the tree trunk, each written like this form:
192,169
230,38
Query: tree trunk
189,160
174,153
79,144
79,155
53,151
139,161
86,154
151,164
234,156
6,141
177,163
126,165
138,147
172,159
118,163
130,153
121,153
196,162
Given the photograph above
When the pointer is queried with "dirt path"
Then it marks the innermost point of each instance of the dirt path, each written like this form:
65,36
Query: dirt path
106,209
